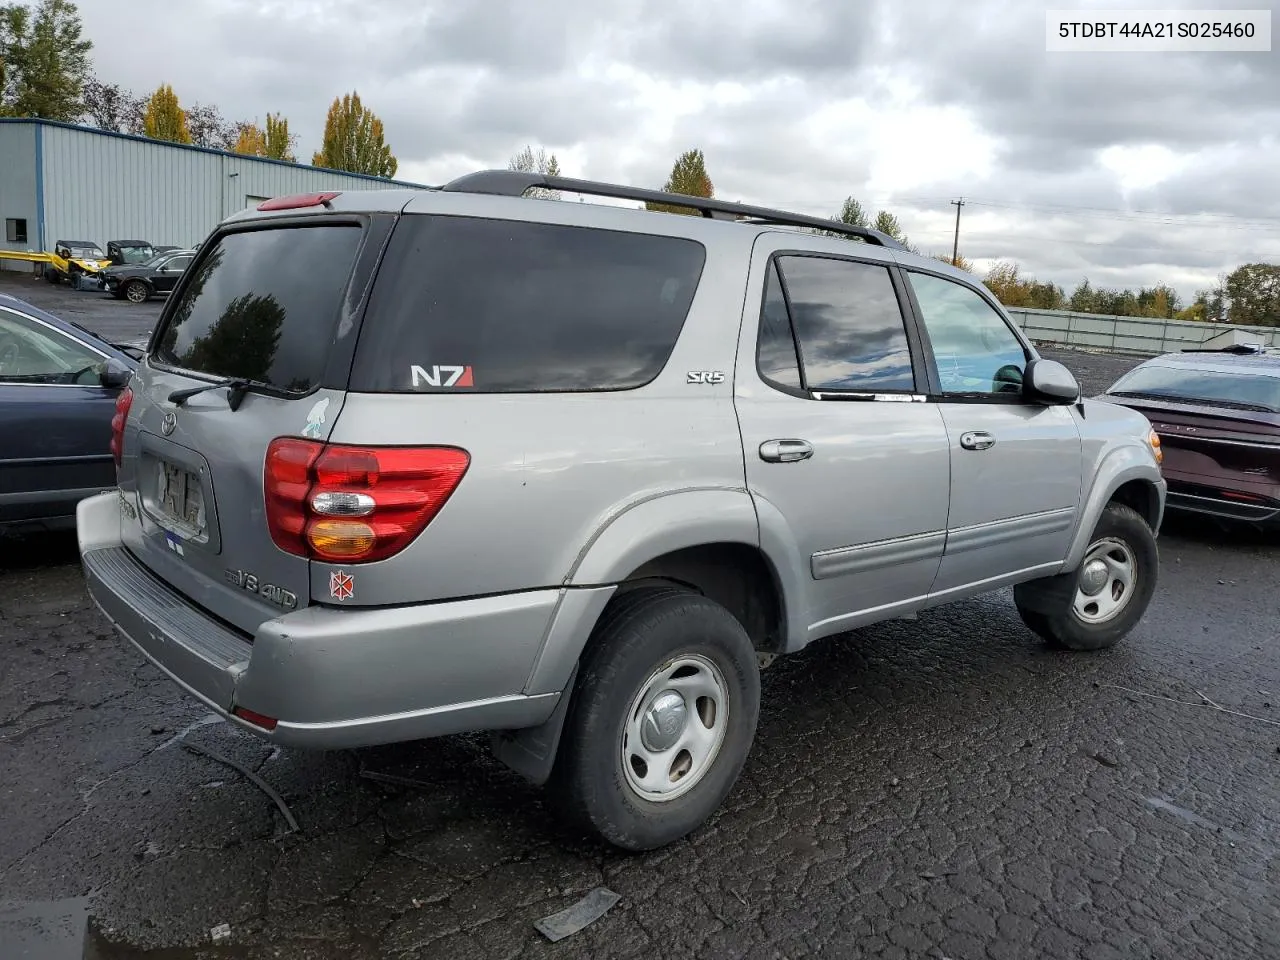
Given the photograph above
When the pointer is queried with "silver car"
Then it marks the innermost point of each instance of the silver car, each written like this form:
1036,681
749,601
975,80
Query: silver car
406,464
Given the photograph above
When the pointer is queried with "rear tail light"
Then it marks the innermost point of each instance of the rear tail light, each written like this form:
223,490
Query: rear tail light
123,403
348,504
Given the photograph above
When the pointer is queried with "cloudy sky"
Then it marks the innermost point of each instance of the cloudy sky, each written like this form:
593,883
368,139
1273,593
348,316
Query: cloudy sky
1127,168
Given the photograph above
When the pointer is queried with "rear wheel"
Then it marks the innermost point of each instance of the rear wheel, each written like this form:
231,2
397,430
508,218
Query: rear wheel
135,291
663,715
51,275
1100,602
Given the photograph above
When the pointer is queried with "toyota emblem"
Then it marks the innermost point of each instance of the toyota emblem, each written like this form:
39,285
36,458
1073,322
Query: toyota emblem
168,424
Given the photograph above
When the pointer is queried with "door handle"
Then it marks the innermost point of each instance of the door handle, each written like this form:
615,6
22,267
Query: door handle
785,451
977,440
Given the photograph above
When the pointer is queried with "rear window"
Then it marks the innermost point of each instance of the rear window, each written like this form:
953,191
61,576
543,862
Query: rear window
1252,389
262,306
497,306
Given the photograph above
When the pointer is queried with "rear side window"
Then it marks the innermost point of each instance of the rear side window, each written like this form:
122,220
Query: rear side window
849,325
262,305
497,306
776,351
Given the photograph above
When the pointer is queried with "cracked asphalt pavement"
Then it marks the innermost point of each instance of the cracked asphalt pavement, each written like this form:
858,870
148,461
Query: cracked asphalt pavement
939,787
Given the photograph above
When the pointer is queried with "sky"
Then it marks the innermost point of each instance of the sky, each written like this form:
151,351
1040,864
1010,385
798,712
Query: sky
1127,168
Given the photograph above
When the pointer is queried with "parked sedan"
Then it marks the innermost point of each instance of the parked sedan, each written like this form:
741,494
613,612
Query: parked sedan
1218,417
58,389
139,282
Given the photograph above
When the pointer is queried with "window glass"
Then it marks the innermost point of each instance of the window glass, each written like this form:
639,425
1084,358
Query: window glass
849,325
975,350
502,306
262,305
30,352
15,230
1248,388
776,346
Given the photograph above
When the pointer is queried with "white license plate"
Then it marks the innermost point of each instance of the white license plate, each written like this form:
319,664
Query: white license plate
180,496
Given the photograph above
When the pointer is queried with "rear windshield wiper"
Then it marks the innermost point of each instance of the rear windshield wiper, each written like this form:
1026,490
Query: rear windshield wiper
237,387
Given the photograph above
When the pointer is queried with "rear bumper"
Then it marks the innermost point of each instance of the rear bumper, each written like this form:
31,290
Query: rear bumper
1254,503
331,678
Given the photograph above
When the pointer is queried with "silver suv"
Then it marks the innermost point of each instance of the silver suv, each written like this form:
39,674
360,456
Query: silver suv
406,464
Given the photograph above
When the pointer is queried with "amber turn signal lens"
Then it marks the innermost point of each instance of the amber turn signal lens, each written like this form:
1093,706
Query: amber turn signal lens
340,539
1154,439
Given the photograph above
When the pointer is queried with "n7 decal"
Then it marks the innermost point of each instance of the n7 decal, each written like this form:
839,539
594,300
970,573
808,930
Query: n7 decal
442,375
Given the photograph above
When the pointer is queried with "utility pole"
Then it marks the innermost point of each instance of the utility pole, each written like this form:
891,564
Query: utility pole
955,246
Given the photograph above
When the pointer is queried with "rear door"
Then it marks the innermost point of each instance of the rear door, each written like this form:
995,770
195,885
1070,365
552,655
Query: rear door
1015,465
274,301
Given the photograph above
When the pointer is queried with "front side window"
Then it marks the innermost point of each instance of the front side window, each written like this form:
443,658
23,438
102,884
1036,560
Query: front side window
976,352
849,325
30,352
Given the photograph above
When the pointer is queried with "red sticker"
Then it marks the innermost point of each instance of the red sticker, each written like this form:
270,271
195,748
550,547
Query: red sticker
342,586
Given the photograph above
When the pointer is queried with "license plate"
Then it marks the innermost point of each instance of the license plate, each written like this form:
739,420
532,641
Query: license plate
180,496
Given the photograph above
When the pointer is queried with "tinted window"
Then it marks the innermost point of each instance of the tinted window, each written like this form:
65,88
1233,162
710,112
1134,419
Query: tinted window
1252,388
30,352
178,264
502,306
776,345
262,305
849,324
975,350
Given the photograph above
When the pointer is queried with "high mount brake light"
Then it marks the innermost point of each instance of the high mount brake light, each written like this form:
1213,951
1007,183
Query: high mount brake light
298,201
348,504
123,404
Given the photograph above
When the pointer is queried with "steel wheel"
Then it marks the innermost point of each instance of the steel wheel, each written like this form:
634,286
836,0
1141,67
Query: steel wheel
675,727
136,292
1106,583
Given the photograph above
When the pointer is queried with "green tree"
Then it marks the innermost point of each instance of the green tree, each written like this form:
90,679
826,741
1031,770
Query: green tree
1253,293
887,223
689,177
852,213
279,142
164,118
527,161
354,141
44,60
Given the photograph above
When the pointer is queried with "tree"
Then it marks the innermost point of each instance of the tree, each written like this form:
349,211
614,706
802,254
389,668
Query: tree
887,223
1253,292
164,118
852,213
45,60
688,177
353,140
208,128
109,106
1005,281
961,262
251,142
526,161
279,141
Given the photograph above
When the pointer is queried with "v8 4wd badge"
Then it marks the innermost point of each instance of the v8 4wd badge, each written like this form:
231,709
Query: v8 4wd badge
268,591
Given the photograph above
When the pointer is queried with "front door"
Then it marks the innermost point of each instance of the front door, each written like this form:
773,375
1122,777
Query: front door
169,273
1015,465
847,464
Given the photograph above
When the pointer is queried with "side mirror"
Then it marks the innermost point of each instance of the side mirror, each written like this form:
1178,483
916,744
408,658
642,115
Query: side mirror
114,375
1049,382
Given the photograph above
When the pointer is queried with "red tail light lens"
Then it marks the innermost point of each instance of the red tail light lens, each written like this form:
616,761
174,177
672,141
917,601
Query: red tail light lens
123,404
348,504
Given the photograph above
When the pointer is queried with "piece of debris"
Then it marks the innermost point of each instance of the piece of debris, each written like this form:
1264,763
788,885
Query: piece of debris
741,899
156,731
582,914
254,778
931,875
221,932
391,778
1106,761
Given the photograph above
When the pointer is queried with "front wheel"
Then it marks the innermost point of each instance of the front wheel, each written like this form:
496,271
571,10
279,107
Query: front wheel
1099,603
135,291
663,715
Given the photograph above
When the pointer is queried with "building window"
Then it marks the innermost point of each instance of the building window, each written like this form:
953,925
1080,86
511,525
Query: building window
15,230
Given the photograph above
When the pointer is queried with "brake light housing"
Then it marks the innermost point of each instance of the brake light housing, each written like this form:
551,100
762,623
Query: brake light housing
124,403
339,503
298,201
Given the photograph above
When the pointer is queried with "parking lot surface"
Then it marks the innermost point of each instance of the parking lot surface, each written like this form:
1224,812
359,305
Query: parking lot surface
938,787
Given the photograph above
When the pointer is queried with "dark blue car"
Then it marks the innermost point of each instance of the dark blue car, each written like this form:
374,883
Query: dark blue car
58,389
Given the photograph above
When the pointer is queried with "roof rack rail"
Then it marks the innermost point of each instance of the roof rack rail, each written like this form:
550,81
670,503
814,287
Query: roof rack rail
514,183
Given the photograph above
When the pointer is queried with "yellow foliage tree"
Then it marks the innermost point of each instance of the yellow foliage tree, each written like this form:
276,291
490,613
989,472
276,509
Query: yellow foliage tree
252,142
353,140
164,118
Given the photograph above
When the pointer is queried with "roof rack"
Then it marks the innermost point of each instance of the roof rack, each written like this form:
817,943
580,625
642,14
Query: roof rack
514,183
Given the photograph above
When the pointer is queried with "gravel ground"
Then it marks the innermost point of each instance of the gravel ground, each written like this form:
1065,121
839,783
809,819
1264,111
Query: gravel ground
943,787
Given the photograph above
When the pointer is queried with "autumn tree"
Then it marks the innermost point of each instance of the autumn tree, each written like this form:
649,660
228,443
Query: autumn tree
109,106
1253,294
251,142
1006,282
164,118
960,261
353,140
279,142
527,161
688,177
44,60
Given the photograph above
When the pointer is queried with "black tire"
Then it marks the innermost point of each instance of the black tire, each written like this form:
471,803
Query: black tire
51,275
135,291
1048,607
640,632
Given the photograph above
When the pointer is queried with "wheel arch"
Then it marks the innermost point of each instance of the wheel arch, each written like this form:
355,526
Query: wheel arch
1126,475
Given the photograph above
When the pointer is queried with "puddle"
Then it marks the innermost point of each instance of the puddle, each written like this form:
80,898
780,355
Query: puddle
54,930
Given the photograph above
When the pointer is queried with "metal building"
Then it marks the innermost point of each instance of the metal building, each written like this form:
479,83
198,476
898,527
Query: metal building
59,181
